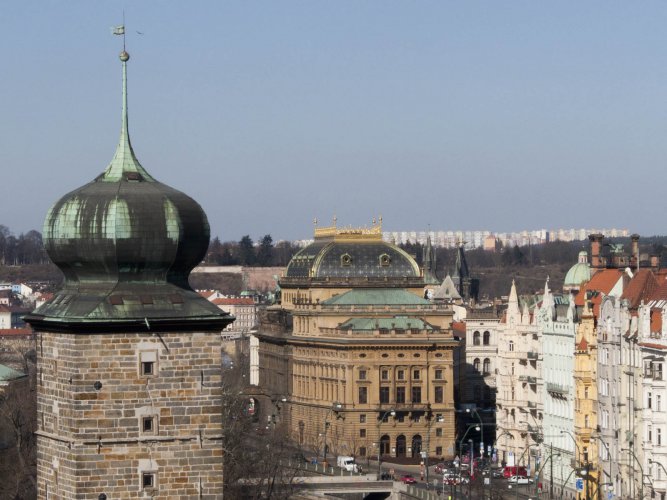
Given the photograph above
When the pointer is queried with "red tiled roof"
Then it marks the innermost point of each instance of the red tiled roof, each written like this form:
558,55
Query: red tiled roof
660,292
583,345
640,287
4,308
602,281
459,327
6,332
234,302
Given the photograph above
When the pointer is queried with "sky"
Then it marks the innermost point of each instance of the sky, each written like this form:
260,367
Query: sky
452,115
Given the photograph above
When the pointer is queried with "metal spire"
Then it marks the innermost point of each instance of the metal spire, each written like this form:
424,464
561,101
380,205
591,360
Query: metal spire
124,161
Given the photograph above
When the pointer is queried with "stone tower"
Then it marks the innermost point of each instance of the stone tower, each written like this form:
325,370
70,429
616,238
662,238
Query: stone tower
129,359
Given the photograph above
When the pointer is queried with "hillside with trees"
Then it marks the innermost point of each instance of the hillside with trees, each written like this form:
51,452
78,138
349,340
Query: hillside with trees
22,258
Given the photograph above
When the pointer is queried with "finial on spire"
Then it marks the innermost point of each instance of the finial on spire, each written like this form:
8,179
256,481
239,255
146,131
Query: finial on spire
315,221
124,161
335,220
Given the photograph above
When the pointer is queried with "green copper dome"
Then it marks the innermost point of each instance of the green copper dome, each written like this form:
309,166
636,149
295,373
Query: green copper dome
126,244
578,273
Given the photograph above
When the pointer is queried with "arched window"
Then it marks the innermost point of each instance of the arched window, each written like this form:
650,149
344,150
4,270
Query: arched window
487,365
475,338
475,364
511,346
487,338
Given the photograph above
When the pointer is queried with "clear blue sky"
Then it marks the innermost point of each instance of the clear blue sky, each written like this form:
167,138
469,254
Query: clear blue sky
462,115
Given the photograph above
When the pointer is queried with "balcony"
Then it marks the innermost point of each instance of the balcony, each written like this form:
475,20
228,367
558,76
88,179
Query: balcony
526,378
532,428
559,390
532,404
533,355
403,407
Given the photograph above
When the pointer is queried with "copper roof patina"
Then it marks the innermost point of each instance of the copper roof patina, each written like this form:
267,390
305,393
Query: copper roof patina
126,244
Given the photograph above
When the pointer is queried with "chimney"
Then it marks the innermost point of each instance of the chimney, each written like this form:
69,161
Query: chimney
655,261
596,242
634,251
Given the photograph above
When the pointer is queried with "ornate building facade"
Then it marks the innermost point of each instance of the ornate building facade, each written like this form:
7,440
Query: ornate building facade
128,355
365,362
519,385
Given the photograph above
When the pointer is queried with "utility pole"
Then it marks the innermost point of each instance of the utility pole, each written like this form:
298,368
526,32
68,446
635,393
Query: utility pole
551,481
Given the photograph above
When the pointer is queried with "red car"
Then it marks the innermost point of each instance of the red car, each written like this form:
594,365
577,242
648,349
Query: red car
408,479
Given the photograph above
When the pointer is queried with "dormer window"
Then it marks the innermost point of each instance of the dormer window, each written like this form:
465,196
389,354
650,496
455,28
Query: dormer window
346,260
385,260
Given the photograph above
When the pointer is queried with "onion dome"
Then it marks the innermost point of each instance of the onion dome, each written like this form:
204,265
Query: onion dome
126,244
578,273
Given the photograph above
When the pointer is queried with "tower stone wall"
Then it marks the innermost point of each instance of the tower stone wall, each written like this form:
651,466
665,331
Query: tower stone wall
94,400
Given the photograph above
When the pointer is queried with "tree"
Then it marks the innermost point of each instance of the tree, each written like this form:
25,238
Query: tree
256,451
283,253
18,423
246,255
265,251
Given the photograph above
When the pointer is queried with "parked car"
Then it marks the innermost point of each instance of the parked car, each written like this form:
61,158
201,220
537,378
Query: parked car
497,472
408,479
520,480
451,479
440,468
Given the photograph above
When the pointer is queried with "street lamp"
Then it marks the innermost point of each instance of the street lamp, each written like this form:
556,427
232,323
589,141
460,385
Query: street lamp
495,442
519,461
539,472
659,463
391,412
470,426
575,443
336,407
608,456
641,484
473,411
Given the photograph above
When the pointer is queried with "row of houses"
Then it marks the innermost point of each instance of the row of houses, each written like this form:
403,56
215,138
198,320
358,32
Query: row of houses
573,382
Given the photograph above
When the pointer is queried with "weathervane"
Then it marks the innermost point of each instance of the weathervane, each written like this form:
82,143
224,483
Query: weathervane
120,30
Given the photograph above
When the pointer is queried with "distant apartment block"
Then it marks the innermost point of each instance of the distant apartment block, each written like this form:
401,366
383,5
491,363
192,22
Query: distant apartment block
488,239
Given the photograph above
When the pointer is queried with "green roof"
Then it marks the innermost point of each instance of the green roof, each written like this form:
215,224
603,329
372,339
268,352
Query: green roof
395,323
7,374
376,297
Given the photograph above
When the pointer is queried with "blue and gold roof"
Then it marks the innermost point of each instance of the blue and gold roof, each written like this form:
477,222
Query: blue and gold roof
352,253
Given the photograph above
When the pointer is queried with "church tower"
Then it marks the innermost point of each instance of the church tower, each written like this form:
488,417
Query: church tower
128,355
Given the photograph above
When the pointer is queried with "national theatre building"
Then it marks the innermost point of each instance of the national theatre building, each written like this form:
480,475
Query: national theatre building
360,358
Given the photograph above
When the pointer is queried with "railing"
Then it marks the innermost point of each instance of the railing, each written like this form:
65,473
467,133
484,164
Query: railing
533,355
526,378
557,388
532,404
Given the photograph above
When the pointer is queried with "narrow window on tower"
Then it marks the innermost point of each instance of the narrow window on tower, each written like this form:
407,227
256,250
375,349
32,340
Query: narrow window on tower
149,425
147,480
148,363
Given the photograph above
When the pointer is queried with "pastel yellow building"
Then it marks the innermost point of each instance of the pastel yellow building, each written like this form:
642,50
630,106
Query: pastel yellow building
585,404
365,363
